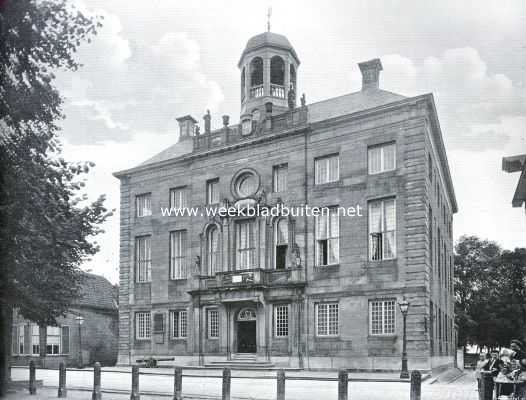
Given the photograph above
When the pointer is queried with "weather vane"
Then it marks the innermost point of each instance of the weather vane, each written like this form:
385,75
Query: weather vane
269,13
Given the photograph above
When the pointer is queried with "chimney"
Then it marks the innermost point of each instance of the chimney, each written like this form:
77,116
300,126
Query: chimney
207,118
370,73
186,126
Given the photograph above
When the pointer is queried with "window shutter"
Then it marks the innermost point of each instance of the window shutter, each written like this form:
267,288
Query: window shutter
65,340
15,339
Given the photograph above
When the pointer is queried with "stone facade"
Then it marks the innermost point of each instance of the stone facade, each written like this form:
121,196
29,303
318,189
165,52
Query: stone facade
247,301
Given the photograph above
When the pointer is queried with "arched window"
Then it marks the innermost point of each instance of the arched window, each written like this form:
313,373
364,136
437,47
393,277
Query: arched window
281,243
212,248
243,83
256,72
277,71
293,76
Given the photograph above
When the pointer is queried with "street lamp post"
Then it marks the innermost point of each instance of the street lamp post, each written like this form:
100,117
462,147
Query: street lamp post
80,321
404,307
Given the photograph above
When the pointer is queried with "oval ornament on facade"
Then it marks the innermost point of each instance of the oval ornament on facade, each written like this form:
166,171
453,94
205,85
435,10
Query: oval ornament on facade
247,314
245,184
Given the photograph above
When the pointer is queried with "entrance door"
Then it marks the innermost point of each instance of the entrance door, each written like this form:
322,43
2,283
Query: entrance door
246,337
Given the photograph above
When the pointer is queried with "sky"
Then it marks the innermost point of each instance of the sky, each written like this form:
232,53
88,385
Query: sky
155,61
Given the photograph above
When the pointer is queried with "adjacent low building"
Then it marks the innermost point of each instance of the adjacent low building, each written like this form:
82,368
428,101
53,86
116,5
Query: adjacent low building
87,333
293,289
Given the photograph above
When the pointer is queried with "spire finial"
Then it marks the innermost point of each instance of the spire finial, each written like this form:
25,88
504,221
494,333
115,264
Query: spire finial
269,14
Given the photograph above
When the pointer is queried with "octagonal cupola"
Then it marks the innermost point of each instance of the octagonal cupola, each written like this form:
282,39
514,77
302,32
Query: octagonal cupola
268,67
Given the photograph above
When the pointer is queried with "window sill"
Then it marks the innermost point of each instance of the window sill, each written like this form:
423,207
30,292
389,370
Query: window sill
384,261
383,336
388,172
143,283
181,339
212,338
327,337
143,339
327,185
327,266
178,279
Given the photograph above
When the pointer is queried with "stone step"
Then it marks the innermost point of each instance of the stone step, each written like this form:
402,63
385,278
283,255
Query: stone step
240,364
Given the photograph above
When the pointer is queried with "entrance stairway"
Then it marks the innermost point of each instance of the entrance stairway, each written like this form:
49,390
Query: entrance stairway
241,361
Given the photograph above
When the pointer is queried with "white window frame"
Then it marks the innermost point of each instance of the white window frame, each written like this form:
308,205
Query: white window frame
178,324
212,191
382,148
178,254
213,260
212,319
143,325
322,169
143,205
32,329
383,231
281,320
179,197
280,177
54,337
246,256
327,236
143,266
327,306
385,314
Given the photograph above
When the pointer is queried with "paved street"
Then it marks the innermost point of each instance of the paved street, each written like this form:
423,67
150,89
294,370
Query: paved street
243,387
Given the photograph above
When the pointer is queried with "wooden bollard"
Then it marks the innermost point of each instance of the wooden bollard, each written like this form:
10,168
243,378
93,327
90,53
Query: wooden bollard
226,383
416,385
343,384
280,377
135,384
486,385
178,383
32,378
62,391
96,394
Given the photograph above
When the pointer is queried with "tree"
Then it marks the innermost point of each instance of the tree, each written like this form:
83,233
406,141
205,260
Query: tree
491,293
46,226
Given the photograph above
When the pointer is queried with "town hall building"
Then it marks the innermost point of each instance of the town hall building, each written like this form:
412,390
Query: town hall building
290,289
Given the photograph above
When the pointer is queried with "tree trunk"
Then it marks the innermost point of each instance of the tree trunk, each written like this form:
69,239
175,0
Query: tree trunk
6,317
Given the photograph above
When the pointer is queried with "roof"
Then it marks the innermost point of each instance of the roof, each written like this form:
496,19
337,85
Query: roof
513,163
96,291
268,39
351,103
181,148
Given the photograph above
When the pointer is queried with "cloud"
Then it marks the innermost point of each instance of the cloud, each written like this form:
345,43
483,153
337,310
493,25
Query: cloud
127,86
477,109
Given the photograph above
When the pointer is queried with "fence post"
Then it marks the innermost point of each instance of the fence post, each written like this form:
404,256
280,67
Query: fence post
226,384
32,378
62,391
135,384
96,395
280,376
343,384
486,385
178,383
416,385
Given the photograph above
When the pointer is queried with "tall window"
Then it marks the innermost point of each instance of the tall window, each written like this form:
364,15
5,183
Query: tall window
243,83
142,325
245,244
35,339
178,197
212,245
212,191
18,339
327,319
281,240
179,324
281,321
382,317
382,158
326,169
382,228
277,71
143,258
213,323
328,238
143,205
279,177
256,72
53,340
178,255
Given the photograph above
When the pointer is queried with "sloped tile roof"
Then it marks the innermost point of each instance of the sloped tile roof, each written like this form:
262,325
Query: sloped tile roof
97,292
179,149
350,103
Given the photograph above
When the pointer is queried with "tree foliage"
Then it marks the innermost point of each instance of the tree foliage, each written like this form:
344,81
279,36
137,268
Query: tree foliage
490,289
46,224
